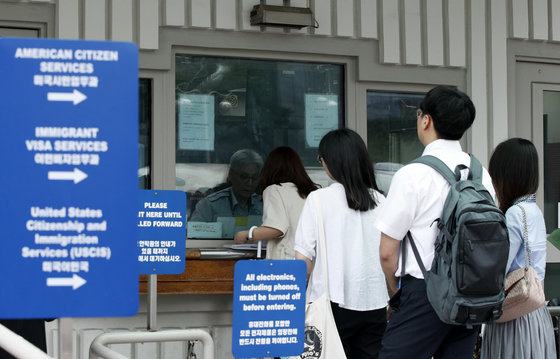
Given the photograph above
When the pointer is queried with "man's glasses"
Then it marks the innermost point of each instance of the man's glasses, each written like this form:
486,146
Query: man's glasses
320,159
245,177
418,112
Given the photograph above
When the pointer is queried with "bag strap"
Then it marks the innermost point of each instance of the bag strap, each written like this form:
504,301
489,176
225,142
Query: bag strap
475,170
416,255
322,243
475,174
525,238
437,165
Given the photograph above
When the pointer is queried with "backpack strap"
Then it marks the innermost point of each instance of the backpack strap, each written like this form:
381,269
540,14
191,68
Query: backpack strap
442,168
416,254
437,165
475,174
475,170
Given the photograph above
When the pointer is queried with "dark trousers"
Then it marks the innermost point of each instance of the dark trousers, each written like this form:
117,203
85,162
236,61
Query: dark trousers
360,332
415,331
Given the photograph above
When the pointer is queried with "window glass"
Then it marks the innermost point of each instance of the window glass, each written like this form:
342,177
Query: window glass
392,136
145,123
231,110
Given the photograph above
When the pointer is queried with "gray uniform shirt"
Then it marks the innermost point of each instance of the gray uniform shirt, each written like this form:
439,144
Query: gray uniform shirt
224,204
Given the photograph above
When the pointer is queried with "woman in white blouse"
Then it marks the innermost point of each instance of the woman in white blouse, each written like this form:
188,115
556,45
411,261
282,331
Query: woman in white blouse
357,288
285,185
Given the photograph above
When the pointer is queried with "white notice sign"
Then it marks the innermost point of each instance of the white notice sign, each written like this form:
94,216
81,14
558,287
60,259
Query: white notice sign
196,122
321,116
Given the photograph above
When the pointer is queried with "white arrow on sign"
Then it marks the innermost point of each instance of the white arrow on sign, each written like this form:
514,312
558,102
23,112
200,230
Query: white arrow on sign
76,97
76,175
75,282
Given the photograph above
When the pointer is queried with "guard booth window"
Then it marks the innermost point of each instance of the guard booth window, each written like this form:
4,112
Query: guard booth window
391,128
226,105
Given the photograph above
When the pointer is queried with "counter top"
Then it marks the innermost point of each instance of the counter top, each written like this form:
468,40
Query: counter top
219,253
207,271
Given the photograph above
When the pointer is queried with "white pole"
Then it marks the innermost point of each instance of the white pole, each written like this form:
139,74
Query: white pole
18,346
65,341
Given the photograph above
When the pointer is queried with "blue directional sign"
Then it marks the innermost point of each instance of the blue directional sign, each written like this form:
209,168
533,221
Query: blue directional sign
68,185
268,308
162,231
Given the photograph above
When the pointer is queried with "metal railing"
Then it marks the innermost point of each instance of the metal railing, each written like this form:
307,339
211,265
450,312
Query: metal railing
554,311
18,346
21,348
99,349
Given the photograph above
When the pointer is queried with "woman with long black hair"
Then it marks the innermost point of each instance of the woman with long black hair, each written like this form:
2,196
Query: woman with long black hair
356,282
514,168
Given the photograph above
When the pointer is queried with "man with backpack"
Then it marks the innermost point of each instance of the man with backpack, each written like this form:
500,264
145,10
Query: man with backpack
438,317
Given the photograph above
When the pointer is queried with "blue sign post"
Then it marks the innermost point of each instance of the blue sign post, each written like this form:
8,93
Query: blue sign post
68,186
162,231
268,308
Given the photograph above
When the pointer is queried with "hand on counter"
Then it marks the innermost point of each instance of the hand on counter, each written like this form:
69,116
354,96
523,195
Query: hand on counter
241,237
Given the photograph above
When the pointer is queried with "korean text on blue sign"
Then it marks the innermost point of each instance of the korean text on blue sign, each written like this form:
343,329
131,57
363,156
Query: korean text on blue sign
162,231
268,308
69,182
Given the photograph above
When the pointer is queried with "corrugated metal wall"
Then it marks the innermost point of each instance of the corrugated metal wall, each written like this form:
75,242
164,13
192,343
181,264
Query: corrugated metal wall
416,32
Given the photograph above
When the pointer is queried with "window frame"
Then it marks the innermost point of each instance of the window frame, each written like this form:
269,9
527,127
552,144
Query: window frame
29,17
404,88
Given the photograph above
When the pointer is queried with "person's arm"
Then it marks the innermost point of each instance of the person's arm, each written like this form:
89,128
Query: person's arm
389,256
259,234
307,235
514,222
307,261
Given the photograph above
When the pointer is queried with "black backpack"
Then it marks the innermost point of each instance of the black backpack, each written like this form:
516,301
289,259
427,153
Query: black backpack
465,284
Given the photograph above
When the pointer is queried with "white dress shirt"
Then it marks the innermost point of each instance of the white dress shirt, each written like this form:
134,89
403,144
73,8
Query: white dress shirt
415,200
356,280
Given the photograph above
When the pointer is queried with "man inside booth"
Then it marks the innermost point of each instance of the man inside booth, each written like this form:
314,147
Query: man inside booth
239,198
